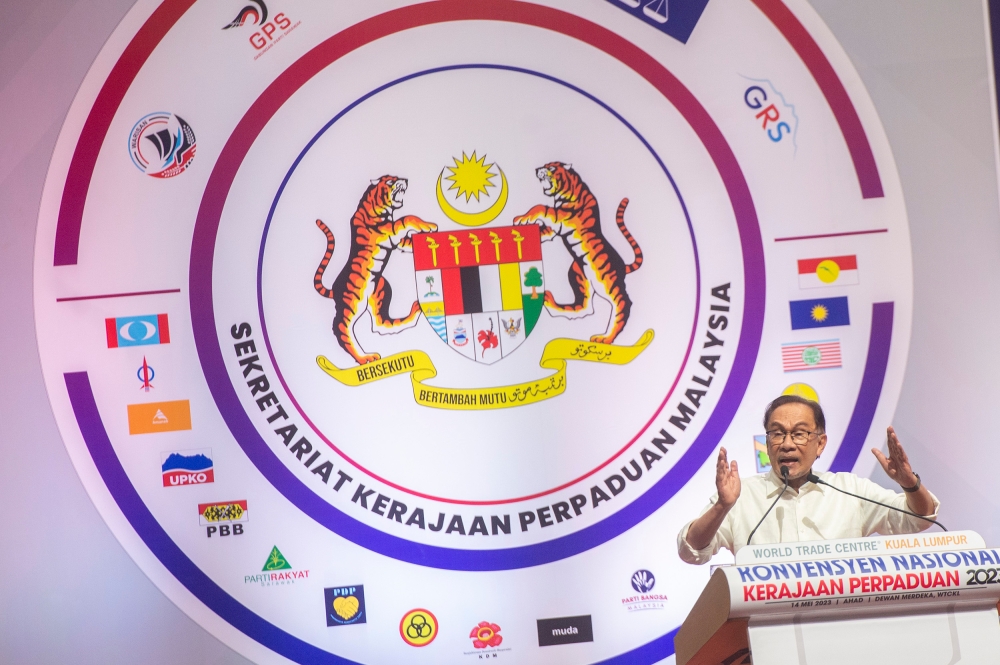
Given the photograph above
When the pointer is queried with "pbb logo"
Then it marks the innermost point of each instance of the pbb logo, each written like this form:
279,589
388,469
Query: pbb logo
224,518
190,467
778,118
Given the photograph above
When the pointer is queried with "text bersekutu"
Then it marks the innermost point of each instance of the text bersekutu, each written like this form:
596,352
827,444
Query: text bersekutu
862,574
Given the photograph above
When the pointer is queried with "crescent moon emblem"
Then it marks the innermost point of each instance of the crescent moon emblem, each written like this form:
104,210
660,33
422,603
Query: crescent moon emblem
473,218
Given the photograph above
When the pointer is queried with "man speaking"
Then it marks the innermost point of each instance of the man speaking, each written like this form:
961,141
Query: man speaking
806,509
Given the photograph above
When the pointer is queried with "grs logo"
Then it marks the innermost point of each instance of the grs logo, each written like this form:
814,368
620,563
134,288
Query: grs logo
778,118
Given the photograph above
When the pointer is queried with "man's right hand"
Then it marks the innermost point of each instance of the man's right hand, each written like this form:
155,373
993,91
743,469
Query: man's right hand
727,480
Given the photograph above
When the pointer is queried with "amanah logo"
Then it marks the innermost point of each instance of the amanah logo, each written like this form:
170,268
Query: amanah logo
482,290
276,571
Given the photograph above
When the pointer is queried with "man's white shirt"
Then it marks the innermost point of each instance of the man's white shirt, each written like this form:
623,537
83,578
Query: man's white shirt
813,512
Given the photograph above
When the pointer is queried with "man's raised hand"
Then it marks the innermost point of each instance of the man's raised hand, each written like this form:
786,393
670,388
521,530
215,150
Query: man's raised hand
727,480
897,465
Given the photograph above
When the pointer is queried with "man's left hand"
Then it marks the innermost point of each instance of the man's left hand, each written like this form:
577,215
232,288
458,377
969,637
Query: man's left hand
897,465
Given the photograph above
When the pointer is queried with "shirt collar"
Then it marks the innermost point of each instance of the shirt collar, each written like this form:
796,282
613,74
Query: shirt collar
775,484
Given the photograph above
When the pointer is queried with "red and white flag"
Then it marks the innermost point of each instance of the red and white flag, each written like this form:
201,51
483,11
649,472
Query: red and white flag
811,355
828,271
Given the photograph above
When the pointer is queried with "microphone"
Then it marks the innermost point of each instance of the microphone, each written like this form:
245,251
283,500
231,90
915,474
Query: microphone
813,478
784,474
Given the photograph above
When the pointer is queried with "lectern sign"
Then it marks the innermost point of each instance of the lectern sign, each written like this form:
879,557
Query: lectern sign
461,295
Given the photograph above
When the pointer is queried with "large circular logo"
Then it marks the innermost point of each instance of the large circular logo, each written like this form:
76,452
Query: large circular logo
475,288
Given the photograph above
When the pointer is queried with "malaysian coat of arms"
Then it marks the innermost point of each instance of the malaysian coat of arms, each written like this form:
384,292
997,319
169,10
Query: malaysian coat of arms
481,285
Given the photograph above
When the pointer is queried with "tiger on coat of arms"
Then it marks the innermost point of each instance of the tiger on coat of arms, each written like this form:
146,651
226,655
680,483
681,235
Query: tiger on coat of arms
597,267
360,286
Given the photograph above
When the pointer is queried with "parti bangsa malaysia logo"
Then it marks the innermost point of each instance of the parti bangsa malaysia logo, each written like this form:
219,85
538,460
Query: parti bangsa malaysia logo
276,571
482,288
162,145
643,582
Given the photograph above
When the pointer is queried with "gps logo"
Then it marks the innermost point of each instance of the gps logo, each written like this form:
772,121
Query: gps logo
265,35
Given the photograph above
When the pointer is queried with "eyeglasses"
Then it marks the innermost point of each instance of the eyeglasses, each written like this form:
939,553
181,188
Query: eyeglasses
777,437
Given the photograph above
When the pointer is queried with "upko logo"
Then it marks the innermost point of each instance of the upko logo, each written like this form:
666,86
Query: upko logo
345,605
276,571
188,467
565,630
418,628
226,518
643,583
778,119
162,145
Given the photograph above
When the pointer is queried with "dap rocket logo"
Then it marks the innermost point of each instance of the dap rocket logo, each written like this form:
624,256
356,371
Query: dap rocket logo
162,145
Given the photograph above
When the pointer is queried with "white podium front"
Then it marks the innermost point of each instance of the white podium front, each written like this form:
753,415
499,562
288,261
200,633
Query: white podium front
924,599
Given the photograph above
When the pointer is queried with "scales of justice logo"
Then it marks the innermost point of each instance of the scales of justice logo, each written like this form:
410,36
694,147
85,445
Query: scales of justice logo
482,287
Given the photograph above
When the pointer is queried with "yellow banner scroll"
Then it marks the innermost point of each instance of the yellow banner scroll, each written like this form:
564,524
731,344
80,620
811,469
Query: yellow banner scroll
420,367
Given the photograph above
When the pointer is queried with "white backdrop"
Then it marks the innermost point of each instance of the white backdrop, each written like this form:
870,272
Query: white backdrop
76,595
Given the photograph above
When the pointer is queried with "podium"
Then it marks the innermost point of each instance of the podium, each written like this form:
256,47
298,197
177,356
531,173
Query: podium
920,599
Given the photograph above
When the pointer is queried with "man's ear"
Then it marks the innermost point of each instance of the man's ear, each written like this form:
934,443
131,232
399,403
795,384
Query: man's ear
822,444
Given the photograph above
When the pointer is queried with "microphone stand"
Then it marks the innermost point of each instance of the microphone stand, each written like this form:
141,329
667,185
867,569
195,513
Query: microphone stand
784,474
813,478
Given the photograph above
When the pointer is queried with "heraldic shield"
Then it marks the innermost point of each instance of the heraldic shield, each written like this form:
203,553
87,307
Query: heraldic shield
481,290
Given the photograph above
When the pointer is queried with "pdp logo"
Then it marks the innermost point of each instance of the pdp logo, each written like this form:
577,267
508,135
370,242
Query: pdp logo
345,605
162,145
